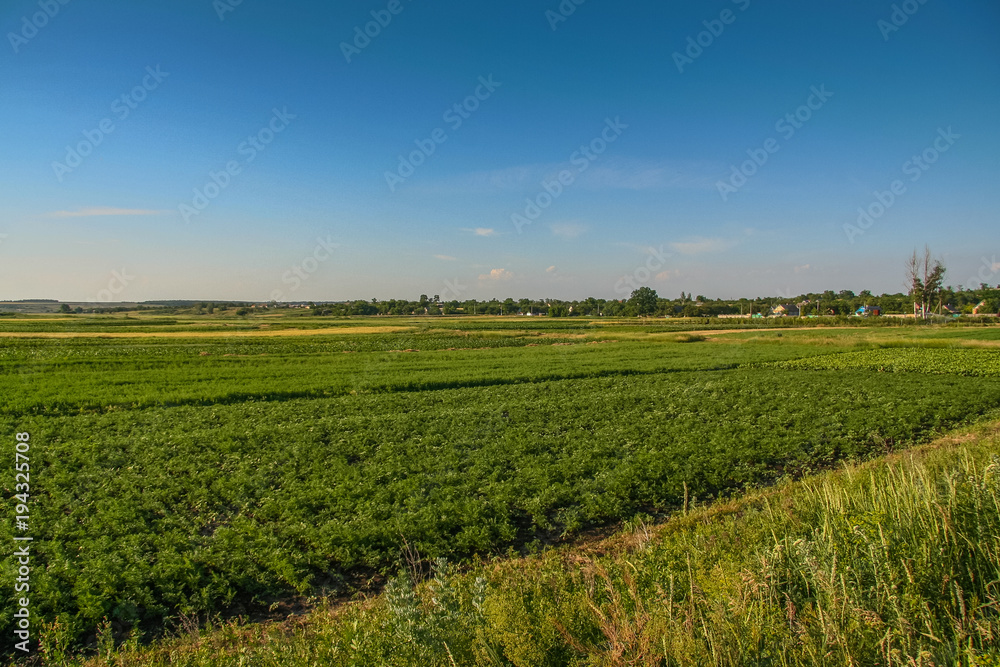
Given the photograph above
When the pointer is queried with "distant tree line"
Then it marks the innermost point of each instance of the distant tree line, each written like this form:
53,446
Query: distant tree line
924,276
646,302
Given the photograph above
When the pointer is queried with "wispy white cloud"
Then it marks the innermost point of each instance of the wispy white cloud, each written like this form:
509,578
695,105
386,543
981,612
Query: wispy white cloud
622,174
481,231
802,269
700,246
502,179
551,269
102,211
445,258
497,274
100,242
605,174
644,249
567,230
664,276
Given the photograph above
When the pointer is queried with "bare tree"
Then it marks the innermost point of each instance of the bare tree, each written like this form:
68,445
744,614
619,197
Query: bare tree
925,278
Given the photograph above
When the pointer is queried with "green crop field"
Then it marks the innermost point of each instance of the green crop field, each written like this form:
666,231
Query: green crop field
207,474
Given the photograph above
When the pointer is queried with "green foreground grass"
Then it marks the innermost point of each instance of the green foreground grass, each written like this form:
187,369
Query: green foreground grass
892,562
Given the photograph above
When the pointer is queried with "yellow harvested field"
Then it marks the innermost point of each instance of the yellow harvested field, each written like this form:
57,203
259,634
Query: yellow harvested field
205,334
722,332
38,319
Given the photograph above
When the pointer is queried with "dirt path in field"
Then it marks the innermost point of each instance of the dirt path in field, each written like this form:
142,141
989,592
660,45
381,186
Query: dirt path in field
204,334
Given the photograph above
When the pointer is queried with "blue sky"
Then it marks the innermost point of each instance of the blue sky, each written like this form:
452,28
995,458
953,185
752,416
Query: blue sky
338,172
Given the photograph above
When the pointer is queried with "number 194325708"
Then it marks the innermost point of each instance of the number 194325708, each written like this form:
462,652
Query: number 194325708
22,467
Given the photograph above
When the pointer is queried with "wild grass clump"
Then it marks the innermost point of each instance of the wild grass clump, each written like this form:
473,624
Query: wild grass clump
896,562
689,338
923,359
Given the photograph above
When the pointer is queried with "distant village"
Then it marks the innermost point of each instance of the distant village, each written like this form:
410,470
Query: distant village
644,302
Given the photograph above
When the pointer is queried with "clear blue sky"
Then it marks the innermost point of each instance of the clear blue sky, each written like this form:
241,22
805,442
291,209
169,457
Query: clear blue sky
314,216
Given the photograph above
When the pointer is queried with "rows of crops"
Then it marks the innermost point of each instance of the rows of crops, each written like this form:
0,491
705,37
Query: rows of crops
949,361
199,476
43,377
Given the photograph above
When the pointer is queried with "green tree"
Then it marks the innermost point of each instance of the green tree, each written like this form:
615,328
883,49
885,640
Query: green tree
925,276
643,301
